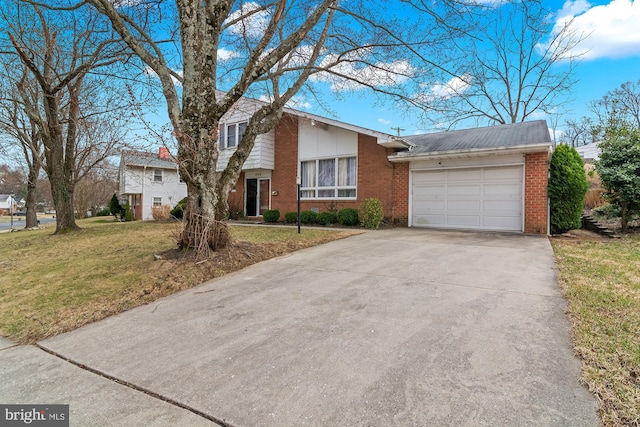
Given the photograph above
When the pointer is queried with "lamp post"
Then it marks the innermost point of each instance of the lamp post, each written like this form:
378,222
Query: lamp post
11,209
298,197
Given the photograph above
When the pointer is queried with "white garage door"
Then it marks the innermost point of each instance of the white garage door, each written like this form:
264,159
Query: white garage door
479,198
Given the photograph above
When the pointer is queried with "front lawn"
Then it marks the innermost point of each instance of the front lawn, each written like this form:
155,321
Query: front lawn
601,281
51,284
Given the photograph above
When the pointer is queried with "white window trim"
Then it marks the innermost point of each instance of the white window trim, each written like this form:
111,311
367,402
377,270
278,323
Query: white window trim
224,132
336,188
161,175
153,201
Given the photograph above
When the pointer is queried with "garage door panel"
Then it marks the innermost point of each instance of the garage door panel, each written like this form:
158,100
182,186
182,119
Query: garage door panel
433,176
423,206
501,205
429,192
488,198
429,220
504,190
463,175
463,221
464,190
502,174
463,206
501,222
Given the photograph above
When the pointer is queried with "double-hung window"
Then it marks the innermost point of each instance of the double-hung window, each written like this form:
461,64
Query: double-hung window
157,175
231,134
333,178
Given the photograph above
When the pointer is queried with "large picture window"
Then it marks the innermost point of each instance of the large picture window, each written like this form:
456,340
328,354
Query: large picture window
329,178
231,134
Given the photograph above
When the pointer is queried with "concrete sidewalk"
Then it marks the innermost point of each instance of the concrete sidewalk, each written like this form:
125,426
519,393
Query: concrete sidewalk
397,327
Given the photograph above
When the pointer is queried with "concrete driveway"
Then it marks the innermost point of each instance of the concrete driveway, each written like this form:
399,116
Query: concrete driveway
397,327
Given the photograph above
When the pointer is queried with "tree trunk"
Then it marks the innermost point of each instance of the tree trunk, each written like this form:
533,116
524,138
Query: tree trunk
62,188
623,215
31,207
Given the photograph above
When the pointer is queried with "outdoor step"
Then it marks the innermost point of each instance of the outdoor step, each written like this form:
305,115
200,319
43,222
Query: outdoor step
588,223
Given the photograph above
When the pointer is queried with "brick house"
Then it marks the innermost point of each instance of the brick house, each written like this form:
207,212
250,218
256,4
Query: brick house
492,178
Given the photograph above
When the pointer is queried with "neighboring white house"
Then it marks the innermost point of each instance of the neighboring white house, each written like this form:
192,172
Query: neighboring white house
589,152
149,180
7,204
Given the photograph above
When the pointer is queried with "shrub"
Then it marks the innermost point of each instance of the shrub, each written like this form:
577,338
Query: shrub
114,205
371,213
327,218
308,217
178,210
291,217
128,215
607,211
348,216
567,188
161,213
104,212
272,215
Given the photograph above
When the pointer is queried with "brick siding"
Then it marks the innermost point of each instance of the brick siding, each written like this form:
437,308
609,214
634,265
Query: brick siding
535,193
375,173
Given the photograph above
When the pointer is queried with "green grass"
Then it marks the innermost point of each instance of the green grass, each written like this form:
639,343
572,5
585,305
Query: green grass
50,284
601,281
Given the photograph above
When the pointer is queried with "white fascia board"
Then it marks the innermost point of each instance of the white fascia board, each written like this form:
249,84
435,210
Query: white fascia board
409,156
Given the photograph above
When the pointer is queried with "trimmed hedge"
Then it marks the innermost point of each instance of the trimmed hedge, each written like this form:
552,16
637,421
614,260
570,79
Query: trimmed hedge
272,215
291,217
348,216
308,217
327,218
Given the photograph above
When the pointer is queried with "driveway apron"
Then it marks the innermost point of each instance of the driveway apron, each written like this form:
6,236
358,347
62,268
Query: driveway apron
400,327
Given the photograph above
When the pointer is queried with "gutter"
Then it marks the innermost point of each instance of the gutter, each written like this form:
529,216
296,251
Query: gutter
409,156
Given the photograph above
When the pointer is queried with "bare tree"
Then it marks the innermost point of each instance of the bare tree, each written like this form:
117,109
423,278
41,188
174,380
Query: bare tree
271,50
63,55
21,131
95,189
519,64
579,132
622,102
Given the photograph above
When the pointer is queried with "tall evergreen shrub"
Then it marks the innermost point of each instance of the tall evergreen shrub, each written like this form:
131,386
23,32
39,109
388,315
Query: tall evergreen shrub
567,188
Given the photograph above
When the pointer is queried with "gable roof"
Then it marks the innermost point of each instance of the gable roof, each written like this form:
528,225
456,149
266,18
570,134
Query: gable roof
522,137
144,158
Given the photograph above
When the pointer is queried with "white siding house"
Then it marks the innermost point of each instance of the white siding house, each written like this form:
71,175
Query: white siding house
148,180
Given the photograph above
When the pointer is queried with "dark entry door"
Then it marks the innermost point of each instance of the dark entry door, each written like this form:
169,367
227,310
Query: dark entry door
252,197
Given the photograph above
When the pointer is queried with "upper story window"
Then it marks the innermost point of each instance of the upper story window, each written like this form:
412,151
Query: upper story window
231,134
157,175
334,178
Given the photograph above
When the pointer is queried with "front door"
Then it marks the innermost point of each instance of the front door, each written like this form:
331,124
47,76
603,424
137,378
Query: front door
257,202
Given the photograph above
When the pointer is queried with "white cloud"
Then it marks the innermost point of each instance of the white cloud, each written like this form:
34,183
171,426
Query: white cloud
612,29
226,54
454,87
384,121
297,102
254,23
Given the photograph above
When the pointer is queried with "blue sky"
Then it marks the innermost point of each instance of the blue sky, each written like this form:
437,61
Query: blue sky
611,57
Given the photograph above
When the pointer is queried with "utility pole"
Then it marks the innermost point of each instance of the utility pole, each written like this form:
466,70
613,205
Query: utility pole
398,129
